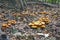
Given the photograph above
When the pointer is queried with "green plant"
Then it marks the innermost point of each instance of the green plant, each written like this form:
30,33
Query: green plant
52,1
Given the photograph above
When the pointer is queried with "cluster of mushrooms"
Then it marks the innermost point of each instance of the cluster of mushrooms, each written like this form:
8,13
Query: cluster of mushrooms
41,22
8,24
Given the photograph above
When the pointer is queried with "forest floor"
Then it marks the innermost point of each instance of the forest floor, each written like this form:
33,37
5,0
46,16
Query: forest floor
32,13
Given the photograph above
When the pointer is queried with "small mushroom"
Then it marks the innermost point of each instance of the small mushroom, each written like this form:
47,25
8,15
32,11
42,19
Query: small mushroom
30,24
44,12
5,25
37,22
9,24
43,26
43,23
33,26
13,22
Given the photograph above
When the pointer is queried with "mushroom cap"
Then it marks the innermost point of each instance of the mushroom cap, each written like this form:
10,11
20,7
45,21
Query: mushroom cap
9,21
37,22
13,21
42,22
44,12
5,25
34,26
30,24
9,24
43,26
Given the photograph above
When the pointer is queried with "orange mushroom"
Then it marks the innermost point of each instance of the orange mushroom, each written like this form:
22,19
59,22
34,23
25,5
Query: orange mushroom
5,25
44,12
43,23
43,26
9,24
37,22
9,21
13,21
33,26
30,24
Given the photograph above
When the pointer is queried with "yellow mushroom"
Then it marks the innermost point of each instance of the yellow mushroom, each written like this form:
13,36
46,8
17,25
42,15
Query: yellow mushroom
9,21
5,25
44,12
37,22
30,24
33,26
13,21
9,24
42,22
43,26
47,22
40,19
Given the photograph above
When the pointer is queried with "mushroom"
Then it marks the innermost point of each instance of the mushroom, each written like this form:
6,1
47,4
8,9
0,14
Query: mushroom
13,22
43,26
44,12
5,25
9,24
